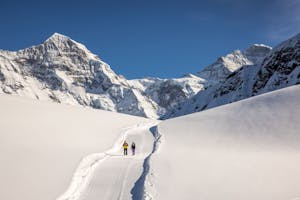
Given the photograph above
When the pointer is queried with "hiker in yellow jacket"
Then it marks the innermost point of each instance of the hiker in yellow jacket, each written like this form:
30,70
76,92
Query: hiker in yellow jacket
125,147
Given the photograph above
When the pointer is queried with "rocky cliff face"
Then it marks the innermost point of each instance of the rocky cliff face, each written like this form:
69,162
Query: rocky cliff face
281,68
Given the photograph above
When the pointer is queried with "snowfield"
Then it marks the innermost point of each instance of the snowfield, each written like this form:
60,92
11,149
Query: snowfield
42,145
246,150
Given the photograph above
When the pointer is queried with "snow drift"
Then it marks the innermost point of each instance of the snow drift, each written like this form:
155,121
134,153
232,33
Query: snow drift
245,150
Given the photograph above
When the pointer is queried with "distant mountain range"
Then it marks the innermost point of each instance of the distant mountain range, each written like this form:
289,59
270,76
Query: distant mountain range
65,71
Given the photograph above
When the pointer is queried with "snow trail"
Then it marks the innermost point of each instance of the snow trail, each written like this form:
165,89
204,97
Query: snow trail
110,175
143,187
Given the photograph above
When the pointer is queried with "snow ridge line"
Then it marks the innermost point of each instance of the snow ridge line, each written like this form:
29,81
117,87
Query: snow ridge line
142,187
87,166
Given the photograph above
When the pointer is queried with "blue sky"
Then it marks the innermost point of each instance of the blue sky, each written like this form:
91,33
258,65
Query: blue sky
164,38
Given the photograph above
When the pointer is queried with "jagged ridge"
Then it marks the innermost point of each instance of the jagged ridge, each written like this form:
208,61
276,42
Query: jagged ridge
65,71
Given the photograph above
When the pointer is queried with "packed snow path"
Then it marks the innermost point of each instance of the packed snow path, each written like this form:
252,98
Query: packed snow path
114,175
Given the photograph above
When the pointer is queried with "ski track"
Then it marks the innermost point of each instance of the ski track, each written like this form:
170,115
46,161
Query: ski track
144,187
126,175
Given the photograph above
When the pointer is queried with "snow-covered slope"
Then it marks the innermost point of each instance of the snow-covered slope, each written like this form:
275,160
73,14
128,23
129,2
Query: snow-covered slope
279,69
42,144
247,150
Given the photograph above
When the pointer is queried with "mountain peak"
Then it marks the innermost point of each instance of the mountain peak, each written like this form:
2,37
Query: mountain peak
58,38
58,35
66,44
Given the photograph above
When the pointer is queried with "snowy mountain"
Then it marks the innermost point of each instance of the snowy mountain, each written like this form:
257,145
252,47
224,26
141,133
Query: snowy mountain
279,69
65,71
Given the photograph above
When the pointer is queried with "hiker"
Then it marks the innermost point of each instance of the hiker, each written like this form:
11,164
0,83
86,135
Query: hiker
133,148
125,146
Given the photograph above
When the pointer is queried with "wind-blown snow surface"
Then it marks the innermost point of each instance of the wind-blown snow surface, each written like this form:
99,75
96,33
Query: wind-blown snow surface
42,144
247,150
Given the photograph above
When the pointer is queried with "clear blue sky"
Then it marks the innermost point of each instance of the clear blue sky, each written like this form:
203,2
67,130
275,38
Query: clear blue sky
164,38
